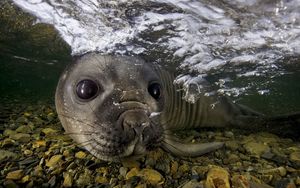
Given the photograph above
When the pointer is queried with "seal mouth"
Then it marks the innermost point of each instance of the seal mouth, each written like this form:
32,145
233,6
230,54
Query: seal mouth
137,125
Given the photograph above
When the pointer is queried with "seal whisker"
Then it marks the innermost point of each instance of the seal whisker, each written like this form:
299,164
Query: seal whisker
85,143
79,133
92,109
80,121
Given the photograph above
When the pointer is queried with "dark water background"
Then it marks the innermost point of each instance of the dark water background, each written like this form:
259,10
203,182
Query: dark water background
32,56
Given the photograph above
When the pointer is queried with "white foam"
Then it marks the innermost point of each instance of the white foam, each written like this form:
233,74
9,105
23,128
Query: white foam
206,36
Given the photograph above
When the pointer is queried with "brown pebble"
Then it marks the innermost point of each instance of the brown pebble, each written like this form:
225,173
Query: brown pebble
183,168
28,152
39,143
8,142
15,175
174,167
53,161
240,181
25,179
20,137
295,156
101,179
68,180
217,177
131,164
80,155
151,176
132,172
49,131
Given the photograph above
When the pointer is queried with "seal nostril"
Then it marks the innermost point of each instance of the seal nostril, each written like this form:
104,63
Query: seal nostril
147,135
128,131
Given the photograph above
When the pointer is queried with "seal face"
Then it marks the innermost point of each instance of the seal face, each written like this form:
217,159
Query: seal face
107,104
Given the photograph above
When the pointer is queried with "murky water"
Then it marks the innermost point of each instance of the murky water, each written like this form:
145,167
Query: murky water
248,50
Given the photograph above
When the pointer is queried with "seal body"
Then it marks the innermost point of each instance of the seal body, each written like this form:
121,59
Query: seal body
121,106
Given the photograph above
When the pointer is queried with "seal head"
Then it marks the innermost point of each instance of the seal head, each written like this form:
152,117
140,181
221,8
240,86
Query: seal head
108,105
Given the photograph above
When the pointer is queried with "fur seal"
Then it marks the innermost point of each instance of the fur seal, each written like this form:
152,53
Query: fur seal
121,106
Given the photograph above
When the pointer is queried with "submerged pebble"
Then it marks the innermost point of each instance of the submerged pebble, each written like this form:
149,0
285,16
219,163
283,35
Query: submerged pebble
54,161
80,155
256,148
5,154
15,175
217,177
43,156
20,137
151,176
68,179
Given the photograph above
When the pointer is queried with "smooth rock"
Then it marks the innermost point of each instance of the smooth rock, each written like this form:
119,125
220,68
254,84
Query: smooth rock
8,132
123,171
24,129
174,167
240,181
141,185
50,116
25,179
297,181
193,184
80,155
232,145
54,161
232,158
102,170
132,172
68,179
28,152
67,153
20,137
84,178
217,177
39,143
8,142
131,164
182,169
52,181
151,176
295,157
4,154
200,170
27,114
280,171
285,183
10,184
228,134
266,137
38,171
15,175
256,148
101,180
49,131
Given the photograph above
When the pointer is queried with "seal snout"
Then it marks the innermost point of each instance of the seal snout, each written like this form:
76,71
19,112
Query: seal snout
136,121
137,126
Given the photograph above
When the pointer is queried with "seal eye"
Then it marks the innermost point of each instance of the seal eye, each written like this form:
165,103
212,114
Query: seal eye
87,89
154,90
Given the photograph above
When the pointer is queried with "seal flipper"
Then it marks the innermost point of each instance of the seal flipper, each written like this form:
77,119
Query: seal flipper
286,125
178,148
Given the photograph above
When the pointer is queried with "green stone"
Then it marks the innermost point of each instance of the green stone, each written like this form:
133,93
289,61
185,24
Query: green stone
20,137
